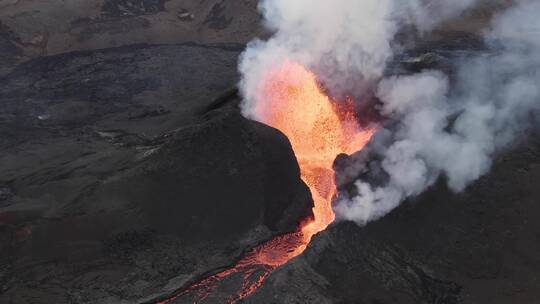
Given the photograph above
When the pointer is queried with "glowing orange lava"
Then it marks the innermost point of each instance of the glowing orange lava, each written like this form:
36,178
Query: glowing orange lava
291,100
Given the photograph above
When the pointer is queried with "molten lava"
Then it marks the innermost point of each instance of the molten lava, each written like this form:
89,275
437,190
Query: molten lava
291,100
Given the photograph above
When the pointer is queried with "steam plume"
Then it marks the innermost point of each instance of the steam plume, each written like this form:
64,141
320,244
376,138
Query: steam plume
347,42
438,128
456,132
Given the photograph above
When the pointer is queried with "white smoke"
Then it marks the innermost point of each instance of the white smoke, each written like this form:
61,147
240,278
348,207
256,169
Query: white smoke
346,41
345,35
456,134
440,129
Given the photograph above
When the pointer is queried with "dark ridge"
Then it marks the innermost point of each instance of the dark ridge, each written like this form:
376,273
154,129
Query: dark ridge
227,97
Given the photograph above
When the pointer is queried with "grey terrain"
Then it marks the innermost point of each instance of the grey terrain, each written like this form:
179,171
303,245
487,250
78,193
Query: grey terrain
127,171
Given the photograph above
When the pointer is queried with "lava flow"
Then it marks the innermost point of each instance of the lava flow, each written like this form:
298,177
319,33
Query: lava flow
291,100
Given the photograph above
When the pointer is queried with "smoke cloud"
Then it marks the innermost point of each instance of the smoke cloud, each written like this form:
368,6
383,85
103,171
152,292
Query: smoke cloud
439,127
455,130
347,42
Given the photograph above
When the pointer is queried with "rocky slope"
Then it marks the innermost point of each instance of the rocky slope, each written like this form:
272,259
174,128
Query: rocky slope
118,166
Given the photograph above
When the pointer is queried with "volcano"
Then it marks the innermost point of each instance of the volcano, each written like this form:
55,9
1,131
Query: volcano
129,172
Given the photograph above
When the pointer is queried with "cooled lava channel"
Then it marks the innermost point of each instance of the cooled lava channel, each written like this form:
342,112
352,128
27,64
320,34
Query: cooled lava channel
291,100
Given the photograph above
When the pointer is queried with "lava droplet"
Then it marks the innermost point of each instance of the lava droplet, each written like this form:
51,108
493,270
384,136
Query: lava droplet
291,100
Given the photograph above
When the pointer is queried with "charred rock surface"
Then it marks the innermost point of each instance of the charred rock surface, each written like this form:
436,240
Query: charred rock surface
137,81
120,179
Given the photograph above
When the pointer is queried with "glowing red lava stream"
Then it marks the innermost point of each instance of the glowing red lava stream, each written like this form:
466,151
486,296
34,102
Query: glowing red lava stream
290,99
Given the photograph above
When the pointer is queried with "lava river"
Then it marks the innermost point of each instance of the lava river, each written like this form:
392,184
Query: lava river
291,100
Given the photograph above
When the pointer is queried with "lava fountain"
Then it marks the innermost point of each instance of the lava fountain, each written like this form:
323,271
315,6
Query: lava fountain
291,100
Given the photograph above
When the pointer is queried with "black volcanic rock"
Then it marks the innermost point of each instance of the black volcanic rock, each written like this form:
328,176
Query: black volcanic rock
138,92
208,193
216,180
121,179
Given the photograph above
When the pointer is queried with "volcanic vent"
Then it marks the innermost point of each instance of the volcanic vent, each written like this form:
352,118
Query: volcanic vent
291,100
